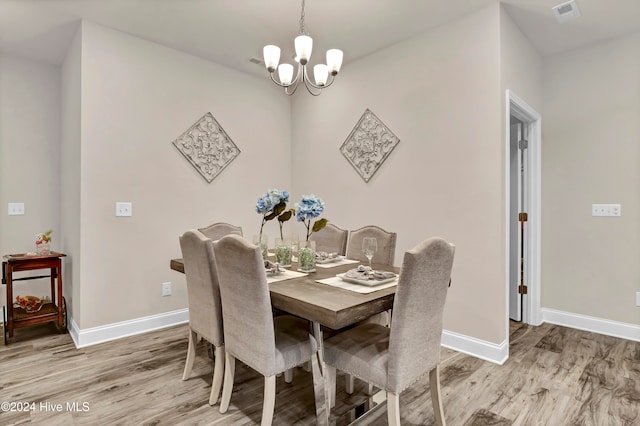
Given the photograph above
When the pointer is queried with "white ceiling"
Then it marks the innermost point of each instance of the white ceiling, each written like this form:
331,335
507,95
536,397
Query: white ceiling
231,32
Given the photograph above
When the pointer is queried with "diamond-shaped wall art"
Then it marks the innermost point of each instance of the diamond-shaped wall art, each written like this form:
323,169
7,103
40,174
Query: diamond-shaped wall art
368,145
207,147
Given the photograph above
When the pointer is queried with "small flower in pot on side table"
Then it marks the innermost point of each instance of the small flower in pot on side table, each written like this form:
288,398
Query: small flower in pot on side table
43,243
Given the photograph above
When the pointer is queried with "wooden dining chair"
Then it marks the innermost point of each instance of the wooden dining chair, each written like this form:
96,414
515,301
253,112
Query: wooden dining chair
331,239
270,345
386,240
394,358
205,312
219,230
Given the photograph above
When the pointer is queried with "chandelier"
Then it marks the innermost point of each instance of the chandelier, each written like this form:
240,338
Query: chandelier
303,44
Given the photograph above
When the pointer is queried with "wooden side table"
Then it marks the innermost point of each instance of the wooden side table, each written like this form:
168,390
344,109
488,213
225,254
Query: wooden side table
52,311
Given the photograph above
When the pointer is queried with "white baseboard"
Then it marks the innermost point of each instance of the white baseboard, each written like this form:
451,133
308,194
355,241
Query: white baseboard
105,333
488,351
592,324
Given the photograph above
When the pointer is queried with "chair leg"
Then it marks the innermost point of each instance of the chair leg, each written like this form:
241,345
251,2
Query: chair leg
218,371
436,400
191,355
370,390
269,400
288,376
227,388
393,409
348,383
330,384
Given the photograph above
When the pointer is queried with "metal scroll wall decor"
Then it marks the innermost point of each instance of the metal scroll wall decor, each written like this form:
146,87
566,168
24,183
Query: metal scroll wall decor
368,145
207,147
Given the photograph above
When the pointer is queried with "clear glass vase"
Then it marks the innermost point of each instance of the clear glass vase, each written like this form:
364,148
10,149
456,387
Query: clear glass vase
283,251
43,248
263,244
307,256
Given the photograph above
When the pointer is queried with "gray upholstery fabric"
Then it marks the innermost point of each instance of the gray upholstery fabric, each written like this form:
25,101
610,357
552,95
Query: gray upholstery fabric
386,252
205,312
252,335
362,351
219,230
411,347
331,239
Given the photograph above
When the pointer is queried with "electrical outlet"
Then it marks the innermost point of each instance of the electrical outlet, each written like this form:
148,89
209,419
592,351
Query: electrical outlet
166,289
124,209
16,209
637,298
606,210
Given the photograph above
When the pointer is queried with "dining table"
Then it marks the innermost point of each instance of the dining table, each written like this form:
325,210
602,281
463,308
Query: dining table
333,306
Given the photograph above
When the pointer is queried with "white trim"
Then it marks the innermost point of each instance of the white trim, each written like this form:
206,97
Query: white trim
520,109
595,325
105,333
482,349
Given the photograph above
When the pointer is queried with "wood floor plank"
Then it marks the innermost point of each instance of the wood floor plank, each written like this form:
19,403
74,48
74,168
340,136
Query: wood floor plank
554,376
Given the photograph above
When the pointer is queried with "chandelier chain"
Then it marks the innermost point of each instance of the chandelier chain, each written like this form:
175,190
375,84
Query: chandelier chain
303,27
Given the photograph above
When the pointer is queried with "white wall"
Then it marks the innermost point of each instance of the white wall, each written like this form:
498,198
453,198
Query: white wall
591,149
440,94
137,97
29,159
70,171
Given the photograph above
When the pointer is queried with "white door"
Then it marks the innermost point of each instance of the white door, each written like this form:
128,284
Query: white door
518,244
522,182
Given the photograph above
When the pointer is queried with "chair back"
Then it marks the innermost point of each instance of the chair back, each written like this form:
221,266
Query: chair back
219,230
205,312
246,304
386,252
331,239
416,328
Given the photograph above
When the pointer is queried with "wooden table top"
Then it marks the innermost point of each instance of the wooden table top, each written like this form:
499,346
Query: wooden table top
330,306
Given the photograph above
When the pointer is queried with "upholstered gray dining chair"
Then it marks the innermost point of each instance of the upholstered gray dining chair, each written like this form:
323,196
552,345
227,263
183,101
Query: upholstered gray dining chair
394,358
270,345
205,312
331,239
219,230
386,240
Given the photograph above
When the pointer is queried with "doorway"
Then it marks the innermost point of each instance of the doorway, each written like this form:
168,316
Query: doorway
523,142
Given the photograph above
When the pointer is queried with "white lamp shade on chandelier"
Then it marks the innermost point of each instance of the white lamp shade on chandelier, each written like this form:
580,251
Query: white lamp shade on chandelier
323,73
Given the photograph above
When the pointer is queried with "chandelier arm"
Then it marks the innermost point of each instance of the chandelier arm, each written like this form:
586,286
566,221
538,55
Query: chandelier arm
308,82
280,84
293,87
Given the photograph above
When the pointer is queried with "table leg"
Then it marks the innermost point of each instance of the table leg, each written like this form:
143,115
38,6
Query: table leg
53,285
327,379
9,285
59,278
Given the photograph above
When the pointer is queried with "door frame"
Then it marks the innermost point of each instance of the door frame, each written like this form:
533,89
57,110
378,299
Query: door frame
520,109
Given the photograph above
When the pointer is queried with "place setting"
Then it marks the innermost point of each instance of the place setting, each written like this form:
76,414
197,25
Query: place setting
363,278
331,260
276,272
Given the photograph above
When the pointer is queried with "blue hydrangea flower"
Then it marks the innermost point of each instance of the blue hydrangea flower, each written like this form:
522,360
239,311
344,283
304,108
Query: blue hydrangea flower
309,207
272,198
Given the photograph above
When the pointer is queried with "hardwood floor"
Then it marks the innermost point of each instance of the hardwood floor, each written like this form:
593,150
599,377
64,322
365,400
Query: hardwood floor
554,376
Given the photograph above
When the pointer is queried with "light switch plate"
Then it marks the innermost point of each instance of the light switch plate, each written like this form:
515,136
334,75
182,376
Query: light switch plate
606,210
124,209
16,209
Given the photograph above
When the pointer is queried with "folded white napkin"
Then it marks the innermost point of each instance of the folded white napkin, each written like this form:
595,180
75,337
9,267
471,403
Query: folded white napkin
367,273
272,268
323,255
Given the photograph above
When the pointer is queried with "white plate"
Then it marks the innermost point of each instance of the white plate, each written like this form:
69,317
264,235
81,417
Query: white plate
330,260
369,283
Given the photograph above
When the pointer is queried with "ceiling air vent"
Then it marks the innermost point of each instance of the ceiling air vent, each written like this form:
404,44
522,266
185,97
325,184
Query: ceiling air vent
255,61
566,11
